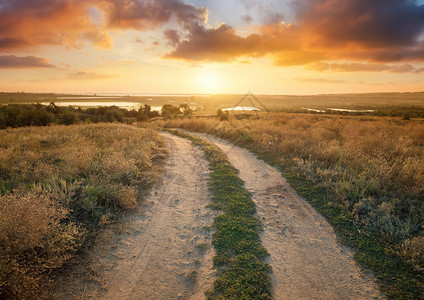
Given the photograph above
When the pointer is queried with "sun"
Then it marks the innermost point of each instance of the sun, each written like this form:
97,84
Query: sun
209,82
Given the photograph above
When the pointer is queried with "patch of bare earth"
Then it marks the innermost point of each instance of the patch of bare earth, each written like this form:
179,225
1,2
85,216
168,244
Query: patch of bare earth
160,252
306,258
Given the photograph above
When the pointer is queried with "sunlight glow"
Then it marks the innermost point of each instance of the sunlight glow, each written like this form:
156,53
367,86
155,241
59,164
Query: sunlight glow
209,82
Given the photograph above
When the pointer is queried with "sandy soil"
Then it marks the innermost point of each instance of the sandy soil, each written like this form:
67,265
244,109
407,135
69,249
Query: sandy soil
153,253
307,260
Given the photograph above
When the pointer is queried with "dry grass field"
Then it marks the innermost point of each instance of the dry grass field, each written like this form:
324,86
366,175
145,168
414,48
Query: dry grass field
371,168
57,185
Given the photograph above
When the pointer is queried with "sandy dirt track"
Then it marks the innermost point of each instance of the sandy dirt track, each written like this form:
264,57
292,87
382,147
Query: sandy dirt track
155,254
307,260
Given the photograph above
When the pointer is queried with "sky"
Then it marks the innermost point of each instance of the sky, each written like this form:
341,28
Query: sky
212,46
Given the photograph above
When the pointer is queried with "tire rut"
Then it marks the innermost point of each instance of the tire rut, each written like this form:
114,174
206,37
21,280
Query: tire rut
155,256
306,258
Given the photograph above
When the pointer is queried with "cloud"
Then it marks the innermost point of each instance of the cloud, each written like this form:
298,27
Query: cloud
12,43
71,23
142,14
362,67
273,18
318,80
222,44
85,75
361,30
247,18
27,62
47,22
377,23
372,32
267,10
172,36
215,44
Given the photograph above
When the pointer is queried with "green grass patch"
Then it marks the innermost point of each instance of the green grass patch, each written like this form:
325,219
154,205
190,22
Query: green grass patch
242,272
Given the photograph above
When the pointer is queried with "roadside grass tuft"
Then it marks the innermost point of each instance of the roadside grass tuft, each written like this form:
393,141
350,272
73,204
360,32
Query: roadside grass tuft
242,272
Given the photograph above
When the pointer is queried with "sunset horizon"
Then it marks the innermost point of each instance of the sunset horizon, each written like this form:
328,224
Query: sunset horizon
302,47
207,149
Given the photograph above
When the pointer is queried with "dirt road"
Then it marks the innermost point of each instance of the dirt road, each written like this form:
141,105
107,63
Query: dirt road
307,260
161,251
154,255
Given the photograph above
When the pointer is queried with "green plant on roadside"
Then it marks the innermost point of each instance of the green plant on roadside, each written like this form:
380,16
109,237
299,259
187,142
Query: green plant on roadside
240,257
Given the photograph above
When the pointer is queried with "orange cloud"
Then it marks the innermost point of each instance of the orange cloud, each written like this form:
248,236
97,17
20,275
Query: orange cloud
85,75
378,31
319,80
216,44
363,67
363,30
70,23
49,22
27,62
283,42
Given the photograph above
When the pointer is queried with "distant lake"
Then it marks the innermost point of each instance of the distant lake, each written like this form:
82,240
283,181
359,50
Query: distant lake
121,104
338,109
350,110
241,108
109,96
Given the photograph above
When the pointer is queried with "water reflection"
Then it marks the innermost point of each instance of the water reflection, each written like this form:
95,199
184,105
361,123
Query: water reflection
120,104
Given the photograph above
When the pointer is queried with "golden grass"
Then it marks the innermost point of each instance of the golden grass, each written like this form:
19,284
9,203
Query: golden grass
373,167
56,184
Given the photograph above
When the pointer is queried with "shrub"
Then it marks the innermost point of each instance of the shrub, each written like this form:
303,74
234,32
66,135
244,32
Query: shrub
413,249
36,236
222,116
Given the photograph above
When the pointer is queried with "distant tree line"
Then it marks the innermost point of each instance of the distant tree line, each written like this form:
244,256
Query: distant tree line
19,115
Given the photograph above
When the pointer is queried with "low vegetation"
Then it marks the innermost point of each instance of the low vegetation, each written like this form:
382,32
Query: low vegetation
57,185
21,115
242,272
365,175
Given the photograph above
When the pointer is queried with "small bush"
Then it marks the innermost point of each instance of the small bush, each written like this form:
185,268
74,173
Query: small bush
413,249
36,236
222,116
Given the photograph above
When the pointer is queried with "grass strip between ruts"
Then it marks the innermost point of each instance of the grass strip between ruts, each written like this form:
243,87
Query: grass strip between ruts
239,259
